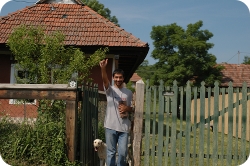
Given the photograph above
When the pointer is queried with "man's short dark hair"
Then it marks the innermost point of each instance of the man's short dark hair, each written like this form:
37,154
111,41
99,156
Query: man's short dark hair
118,71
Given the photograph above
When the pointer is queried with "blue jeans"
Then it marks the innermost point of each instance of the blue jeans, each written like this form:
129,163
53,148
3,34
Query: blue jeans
112,138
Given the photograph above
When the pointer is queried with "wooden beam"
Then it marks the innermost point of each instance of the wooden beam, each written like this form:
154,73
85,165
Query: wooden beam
71,126
37,94
138,122
38,91
37,86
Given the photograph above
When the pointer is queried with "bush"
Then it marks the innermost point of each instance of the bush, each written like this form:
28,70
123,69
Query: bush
42,143
101,132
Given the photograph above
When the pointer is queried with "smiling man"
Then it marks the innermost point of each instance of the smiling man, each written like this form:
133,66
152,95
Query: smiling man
116,123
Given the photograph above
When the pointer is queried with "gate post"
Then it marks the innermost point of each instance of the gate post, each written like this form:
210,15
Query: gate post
138,122
71,122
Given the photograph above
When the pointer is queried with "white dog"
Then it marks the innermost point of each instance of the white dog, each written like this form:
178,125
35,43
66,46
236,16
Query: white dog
101,149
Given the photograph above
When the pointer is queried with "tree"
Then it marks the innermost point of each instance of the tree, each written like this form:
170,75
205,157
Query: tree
130,87
246,60
100,9
183,55
145,71
45,58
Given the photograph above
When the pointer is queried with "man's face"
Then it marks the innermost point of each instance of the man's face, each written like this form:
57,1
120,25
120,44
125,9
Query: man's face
118,80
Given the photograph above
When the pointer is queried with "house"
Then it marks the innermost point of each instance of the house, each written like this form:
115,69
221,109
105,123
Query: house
83,28
236,73
135,77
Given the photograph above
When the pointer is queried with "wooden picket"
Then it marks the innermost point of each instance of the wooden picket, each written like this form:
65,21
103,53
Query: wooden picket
196,125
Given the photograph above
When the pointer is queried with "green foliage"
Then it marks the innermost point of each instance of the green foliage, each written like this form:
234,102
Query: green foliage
146,71
129,86
100,9
183,55
101,132
46,59
42,143
246,60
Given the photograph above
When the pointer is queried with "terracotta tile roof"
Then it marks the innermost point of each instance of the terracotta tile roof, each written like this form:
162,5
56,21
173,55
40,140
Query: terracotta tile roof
81,25
235,73
135,77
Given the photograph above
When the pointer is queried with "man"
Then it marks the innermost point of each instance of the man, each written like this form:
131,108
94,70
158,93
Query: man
116,123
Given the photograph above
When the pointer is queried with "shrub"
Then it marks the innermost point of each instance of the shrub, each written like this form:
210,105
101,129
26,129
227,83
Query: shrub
101,132
42,143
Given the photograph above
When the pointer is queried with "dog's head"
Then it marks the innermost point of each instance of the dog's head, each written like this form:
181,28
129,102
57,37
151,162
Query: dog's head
97,143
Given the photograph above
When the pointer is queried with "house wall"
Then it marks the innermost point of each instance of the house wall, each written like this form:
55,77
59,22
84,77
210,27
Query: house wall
17,110
6,107
96,74
5,69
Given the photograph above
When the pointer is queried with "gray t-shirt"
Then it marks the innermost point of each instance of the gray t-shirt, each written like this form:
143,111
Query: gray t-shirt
112,117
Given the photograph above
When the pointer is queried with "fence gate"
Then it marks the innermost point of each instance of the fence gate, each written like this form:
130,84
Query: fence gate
196,125
88,124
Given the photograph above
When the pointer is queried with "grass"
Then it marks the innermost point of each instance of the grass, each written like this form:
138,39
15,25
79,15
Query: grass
39,144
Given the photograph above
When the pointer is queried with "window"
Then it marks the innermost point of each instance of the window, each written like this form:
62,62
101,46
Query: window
23,76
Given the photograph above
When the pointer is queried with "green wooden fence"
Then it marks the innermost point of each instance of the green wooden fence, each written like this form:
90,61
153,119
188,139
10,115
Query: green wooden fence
196,125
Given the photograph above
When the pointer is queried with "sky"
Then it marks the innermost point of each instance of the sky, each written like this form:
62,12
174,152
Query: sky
228,20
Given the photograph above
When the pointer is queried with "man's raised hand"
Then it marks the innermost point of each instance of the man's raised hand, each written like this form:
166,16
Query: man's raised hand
103,63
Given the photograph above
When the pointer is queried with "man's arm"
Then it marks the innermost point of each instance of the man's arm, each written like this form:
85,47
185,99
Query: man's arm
105,79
